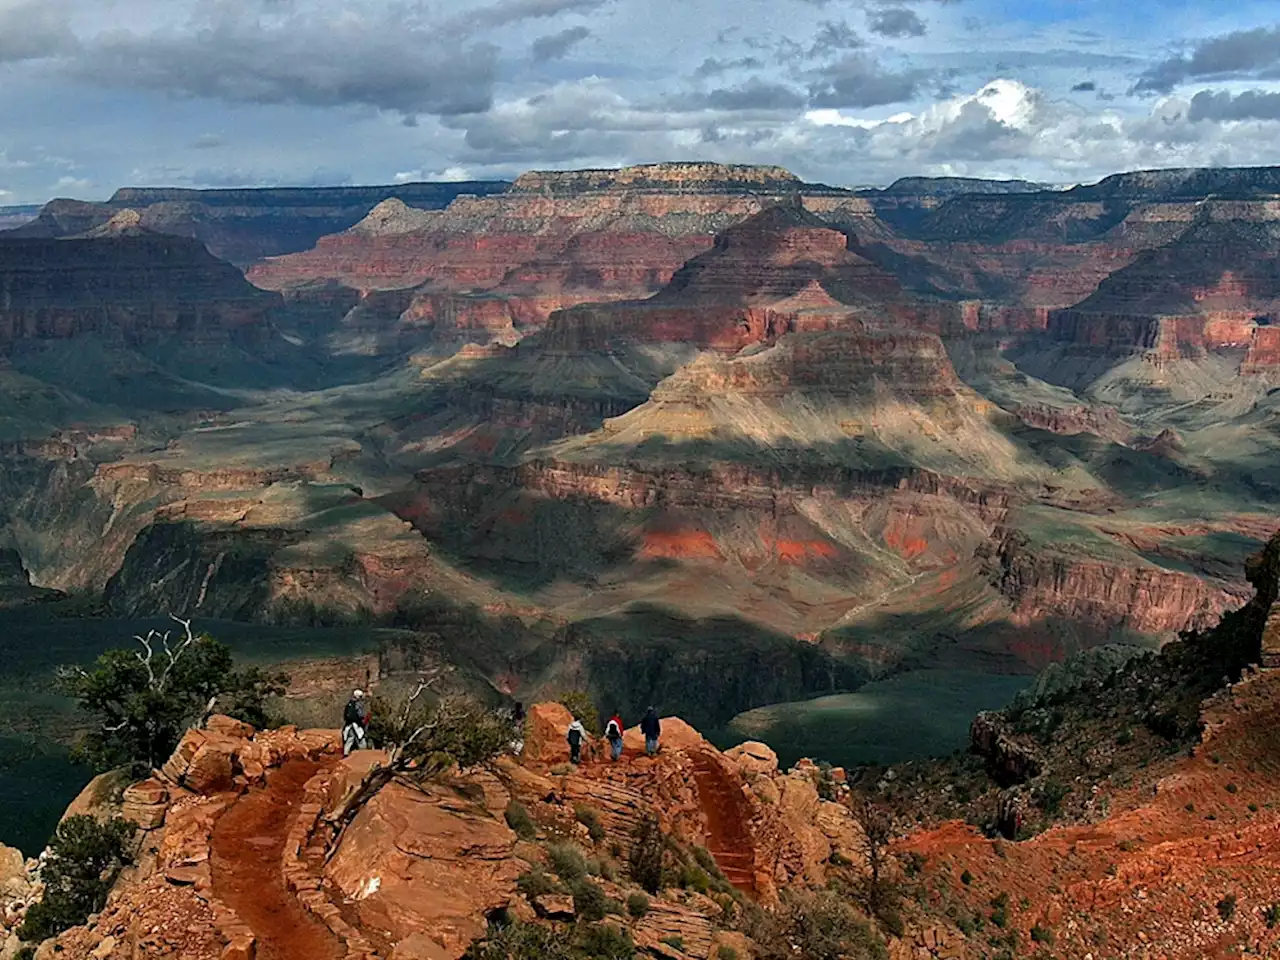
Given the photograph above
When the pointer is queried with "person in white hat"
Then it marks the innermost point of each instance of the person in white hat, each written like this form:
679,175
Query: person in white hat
355,724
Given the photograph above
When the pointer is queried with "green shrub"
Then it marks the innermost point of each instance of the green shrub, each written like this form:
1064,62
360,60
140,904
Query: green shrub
567,861
537,883
726,953
521,941
85,857
694,878
590,818
590,902
648,854
605,942
677,942
1253,807
637,905
966,878
1272,915
1190,807
1043,935
518,819
1000,910
824,927
1227,907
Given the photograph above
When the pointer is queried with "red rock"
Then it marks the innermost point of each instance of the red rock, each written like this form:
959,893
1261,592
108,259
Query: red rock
545,729
229,727
754,758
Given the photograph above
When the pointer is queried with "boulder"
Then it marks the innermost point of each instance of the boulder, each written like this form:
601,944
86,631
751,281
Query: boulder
145,803
230,727
418,946
13,867
754,759
427,863
545,730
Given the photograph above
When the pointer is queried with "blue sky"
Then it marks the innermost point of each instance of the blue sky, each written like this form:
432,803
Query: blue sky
95,94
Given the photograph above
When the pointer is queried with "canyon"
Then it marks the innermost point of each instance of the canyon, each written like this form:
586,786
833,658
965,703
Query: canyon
640,421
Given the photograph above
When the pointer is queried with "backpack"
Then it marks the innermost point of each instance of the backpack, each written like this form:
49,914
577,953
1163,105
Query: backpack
352,714
575,736
612,731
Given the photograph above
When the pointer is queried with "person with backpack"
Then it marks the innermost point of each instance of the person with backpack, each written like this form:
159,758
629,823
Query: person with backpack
355,724
517,727
613,733
651,729
576,735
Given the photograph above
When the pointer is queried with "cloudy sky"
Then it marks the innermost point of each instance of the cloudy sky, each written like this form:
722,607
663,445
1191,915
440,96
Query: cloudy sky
99,93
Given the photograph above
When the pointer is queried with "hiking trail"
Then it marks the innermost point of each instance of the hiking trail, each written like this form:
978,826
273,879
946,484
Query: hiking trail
247,850
727,812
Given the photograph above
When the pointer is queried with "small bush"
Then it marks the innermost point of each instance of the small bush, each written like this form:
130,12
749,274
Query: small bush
1227,907
1232,788
1253,807
85,857
518,819
1125,737
648,854
536,883
914,863
1043,935
694,878
521,941
1190,807
966,878
604,942
1272,915
567,861
608,870
637,905
590,902
589,818
726,953
676,942
1000,910
824,927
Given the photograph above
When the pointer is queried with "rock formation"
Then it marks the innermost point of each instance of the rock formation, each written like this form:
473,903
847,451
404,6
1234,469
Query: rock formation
123,281
245,225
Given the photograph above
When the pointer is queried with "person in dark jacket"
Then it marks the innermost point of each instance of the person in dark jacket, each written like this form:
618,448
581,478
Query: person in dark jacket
652,729
355,724
576,735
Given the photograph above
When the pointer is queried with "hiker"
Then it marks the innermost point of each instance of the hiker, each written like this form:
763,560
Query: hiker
651,729
355,724
517,725
576,735
613,733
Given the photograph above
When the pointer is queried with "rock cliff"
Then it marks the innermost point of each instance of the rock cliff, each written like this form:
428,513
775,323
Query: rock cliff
244,225
125,282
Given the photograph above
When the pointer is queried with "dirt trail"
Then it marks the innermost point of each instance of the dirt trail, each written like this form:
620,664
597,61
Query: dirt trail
727,814
248,843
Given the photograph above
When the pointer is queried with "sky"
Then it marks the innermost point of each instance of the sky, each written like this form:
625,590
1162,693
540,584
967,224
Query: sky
96,94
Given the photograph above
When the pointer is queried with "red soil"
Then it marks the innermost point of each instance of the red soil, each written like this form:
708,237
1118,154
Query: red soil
798,551
683,545
248,845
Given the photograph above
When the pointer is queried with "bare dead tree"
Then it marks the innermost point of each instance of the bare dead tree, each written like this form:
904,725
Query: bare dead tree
423,741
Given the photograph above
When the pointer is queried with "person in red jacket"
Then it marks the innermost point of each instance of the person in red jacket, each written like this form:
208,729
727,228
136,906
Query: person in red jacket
613,733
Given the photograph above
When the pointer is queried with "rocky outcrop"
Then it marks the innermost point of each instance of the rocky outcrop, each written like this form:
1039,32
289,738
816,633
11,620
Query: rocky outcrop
1043,583
1010,759
244,225
126,284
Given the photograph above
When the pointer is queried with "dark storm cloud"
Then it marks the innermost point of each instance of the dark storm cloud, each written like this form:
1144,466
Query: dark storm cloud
857,80
513,11
896,22
380,60
714,66
752,96
1243,53
1219,106
1087,86
834,37
556,45
34,30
